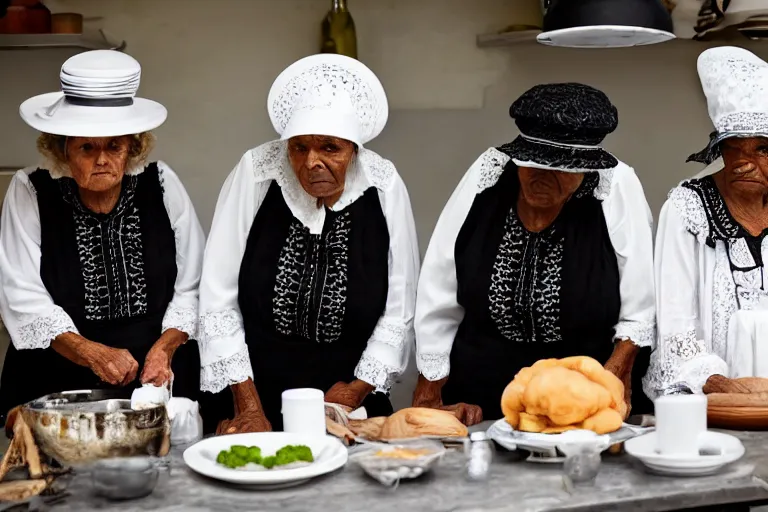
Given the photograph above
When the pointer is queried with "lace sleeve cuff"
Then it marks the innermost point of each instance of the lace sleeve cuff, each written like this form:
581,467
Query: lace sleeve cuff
641,333
681,360
376,373
225,372
434,366
390,332
39,332
182,318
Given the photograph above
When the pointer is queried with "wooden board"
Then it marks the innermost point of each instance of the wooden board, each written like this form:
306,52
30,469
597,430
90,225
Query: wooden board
737,418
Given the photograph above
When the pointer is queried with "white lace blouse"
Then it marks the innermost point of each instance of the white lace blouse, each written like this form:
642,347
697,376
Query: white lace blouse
223,350
707,271
629,221
28,311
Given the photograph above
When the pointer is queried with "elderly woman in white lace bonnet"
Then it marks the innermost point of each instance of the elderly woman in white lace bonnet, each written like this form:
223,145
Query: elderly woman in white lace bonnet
711,244
309,277
100,250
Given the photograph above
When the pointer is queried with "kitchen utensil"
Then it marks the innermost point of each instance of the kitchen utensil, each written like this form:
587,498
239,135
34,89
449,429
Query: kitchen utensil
718,450
304,411
681,420
79,427
125,478
66,23
329,453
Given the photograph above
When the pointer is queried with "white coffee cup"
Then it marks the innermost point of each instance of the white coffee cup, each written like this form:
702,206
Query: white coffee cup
681,422
304,411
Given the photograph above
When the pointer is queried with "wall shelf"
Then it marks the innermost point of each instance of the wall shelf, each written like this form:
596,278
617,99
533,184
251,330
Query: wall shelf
514,37
40,41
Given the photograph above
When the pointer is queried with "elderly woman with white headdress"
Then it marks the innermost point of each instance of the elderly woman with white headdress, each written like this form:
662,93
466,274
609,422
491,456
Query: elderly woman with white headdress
309,277
711,246
544,250
100,250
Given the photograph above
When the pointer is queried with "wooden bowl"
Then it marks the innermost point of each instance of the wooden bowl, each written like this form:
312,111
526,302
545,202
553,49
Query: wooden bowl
737,418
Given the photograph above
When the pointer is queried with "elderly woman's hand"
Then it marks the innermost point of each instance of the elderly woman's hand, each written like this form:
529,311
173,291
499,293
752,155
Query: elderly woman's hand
620,364
350,395
157,365
114,366
429,394
251,420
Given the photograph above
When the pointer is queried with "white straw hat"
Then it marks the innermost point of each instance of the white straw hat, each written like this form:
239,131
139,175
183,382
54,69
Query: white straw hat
328,94
97,99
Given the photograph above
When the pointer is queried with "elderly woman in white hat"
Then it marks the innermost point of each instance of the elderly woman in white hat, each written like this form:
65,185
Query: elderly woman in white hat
711,246
100,250
309,277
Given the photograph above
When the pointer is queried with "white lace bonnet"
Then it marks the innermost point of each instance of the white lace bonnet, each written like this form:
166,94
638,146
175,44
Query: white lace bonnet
328,94
97,99
735,82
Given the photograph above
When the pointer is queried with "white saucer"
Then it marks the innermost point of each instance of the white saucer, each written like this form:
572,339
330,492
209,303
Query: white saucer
644,449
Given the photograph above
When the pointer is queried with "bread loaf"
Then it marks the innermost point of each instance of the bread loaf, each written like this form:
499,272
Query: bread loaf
418,421
738,399
720,384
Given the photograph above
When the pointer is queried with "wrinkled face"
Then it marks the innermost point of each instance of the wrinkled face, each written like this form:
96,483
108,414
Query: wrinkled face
746,164
545,188
98,163
320,163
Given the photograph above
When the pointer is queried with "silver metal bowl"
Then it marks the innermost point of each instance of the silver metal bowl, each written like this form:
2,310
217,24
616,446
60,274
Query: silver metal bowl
124,478
78,427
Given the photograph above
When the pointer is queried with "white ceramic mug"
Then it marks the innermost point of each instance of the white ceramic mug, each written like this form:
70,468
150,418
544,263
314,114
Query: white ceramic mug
681,421
304,411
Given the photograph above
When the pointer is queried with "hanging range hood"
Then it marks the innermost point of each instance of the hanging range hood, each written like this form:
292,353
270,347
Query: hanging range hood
605,23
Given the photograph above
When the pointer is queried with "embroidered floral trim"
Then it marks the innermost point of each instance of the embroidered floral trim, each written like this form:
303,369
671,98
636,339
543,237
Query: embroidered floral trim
378,170
376,373
182,318
492,164
684,345
681,359
217,324
234,369
434,366
603,188
642,334
390,332
41,331
690,208
724,303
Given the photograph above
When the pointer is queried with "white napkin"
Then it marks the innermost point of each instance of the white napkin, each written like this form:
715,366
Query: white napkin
747,346
149,396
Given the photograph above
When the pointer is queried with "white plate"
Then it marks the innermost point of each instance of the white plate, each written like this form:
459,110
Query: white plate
546,444
329,453
603,36
644,449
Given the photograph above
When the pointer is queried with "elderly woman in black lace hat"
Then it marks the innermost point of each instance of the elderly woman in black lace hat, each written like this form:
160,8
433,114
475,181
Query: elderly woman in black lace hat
544,250
100,249
711,244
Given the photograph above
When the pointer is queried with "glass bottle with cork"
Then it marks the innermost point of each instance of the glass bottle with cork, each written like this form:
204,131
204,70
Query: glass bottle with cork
338,31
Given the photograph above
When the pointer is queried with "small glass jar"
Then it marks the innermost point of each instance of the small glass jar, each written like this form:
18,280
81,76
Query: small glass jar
582,450
479,451
582,465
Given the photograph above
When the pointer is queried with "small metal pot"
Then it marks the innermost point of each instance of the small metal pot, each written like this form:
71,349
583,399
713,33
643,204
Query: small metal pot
78,427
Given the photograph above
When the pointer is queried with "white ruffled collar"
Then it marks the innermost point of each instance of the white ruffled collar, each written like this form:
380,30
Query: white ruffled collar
270,162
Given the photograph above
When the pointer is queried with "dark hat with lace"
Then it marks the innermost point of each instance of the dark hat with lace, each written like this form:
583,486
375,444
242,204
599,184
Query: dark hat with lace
561,128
